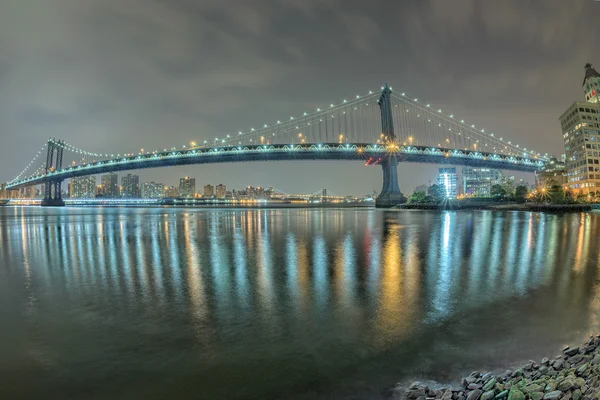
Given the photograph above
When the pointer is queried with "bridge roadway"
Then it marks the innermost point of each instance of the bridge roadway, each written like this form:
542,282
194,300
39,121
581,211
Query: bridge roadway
291,152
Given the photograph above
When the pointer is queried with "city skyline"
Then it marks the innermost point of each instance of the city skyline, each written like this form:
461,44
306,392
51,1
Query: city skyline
501,95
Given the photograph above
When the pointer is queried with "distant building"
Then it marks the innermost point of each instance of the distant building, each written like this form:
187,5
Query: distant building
221,191
153,190
187,187
130,187
422,188
580,125
171,192
478,182
110,186
448,178
553,173
83,187
209,191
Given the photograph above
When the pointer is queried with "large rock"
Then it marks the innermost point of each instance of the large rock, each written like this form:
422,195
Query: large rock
515,394
536,395
576,394
555,395
581,370
474,394
503,394
489,385
571,352
565,385
487,395
545,361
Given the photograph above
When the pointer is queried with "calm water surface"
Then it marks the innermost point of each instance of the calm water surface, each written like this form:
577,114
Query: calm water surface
285,303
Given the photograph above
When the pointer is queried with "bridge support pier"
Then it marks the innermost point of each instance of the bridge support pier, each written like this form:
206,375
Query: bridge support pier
53,188
390,195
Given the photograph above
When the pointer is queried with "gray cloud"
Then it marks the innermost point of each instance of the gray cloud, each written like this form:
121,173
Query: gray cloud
117,76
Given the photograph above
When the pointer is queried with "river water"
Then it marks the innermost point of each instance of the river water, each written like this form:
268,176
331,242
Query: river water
159,303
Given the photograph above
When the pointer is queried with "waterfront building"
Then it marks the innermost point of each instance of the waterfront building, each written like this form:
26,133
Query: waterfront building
553,173
110,186
171,192
153,190
130,187
187,187
83,187
221,191
580,126
591,84
448,178
478,182
209,191
422,188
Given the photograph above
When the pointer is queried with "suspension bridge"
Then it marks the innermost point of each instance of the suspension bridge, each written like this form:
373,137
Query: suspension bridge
381,128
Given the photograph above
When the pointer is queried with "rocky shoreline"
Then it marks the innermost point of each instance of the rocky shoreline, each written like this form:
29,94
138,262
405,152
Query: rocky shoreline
572,375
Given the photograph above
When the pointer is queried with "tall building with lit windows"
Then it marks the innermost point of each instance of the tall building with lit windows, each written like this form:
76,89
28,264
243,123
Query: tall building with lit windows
110,185
477,182
580,125
448,178
187,187
209,191
130,187
221,191
153,190
83,187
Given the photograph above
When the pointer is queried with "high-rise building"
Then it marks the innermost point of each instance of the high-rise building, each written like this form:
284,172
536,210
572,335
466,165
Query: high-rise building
83,187
478,182
422,188
187,187
130,187
152,190
171,192
448,178
221,191
110,185
553,173
581,132
591,84
209,191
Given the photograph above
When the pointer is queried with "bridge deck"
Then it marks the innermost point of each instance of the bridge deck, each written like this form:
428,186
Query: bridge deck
291,152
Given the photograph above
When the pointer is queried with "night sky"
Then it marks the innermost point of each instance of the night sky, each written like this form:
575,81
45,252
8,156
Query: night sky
118,75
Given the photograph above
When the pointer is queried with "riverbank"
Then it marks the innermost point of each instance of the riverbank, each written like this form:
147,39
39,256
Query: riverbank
535,207
572,375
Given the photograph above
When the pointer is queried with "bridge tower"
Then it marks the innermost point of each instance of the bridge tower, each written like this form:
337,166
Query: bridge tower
53,187
390,192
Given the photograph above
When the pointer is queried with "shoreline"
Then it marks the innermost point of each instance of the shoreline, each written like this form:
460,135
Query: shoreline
572,375
503,207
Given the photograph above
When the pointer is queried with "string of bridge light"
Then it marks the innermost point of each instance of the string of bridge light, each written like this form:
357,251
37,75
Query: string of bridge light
30,163
471,127
240,134
332,107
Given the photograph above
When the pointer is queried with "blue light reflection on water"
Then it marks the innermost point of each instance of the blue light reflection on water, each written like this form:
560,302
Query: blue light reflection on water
268,302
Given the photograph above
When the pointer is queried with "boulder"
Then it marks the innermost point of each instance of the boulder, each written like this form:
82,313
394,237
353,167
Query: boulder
565,385
576,395
474,394
536,395
571,352
515,394
489,385
555,395
488,395
503,394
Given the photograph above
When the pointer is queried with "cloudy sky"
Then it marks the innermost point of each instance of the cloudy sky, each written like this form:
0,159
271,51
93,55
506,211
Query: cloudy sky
119,75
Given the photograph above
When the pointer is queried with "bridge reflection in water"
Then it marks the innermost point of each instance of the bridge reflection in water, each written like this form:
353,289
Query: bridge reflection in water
323,300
